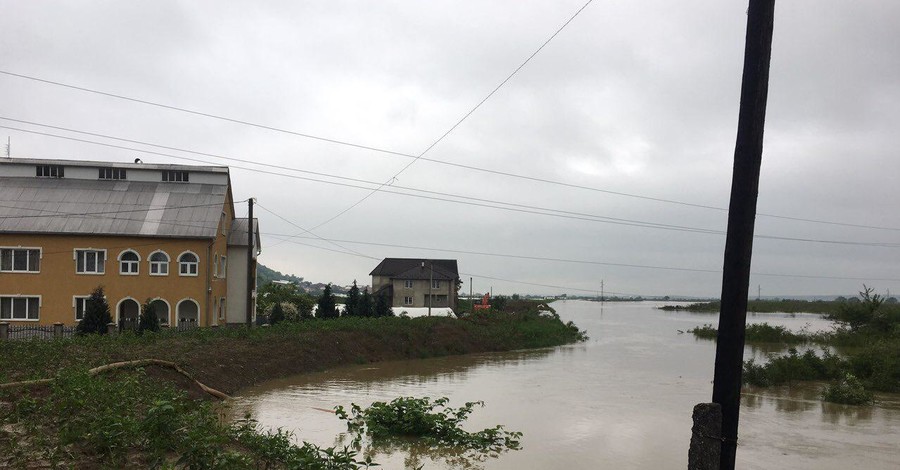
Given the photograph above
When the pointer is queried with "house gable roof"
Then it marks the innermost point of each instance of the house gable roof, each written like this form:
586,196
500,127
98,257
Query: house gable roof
417,268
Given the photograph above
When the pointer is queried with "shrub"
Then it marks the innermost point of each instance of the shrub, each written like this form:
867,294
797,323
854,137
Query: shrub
148,321
96,314
849,391
277,314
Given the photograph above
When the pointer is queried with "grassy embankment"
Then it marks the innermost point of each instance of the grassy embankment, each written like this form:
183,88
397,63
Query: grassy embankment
764,306
150,417
868,337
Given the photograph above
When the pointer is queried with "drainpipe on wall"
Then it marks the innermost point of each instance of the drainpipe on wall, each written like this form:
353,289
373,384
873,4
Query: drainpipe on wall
208,282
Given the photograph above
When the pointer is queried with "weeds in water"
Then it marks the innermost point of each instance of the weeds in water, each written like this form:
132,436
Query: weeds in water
432,421
849,391
760,333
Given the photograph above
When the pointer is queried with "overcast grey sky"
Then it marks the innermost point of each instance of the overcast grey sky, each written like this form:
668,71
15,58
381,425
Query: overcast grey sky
637,97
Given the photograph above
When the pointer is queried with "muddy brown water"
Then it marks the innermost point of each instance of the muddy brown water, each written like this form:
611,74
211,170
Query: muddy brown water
621,400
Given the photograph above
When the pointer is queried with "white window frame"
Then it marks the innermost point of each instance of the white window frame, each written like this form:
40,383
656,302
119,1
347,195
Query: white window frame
407,300
134,264
151,264
99,265
435,283
111,173
12,299
223,267
12,260
82,299
168,307
408,283
196,265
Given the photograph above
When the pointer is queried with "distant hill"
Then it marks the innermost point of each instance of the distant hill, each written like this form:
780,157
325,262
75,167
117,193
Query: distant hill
265,275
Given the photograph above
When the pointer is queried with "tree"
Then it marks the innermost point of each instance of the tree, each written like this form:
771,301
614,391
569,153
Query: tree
383,306
365,307
96,314
326,304
499,303
277,314
351,305
148,321
862,313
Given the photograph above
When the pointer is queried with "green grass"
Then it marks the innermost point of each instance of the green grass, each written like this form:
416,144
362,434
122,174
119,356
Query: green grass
761,333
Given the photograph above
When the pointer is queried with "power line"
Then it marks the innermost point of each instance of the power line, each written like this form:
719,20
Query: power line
309,231
286,237
460,121
85,214
530,209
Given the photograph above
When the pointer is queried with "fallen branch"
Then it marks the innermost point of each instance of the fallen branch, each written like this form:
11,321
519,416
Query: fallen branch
126,365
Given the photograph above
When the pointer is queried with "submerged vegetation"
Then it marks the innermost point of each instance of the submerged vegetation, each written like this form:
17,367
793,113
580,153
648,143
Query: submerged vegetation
868,334
431,421
765,306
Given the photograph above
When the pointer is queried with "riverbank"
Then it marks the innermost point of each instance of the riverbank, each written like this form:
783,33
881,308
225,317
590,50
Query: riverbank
827,307
135,418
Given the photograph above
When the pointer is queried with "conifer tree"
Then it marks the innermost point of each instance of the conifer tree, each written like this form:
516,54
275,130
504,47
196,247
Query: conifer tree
148,321
96,314
277,314
351,308
365,304
326,304
383,306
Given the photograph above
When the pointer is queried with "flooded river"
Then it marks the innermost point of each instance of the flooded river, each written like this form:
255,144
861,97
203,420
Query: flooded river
622,400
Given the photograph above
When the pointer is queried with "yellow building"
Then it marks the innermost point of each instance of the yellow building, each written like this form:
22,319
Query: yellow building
164,233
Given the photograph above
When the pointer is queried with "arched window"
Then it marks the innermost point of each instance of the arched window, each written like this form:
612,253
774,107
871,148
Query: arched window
187,264
129,262
161,307
188,313
159,263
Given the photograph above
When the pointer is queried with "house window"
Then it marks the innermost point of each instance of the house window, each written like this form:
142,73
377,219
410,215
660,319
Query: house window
20,308
187,264
222,304
435,284
128,263
174,176
408,284
20,260
110,173
49,171
90,261
223,266
80,306
407,300
159,264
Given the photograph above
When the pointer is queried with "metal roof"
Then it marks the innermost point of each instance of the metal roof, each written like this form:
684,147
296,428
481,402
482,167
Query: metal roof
238,235
97,164
412,268
110,207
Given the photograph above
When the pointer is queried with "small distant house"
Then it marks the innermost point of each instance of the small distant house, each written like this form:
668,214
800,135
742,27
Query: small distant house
416,282
163,233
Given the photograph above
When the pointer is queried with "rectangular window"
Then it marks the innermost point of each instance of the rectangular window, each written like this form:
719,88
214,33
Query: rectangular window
223,266
408,284
49,171
80,307
174,176
435,284
407,301
109,173
222,310
20,308
90,261
20,260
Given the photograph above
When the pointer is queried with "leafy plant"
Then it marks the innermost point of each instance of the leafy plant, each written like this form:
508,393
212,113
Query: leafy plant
432,421
148,321
848,390
96,314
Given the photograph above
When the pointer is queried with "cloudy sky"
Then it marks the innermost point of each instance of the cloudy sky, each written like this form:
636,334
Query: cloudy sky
633,105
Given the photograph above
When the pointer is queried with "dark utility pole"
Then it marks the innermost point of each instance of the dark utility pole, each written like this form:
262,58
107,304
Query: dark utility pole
741,217
251,278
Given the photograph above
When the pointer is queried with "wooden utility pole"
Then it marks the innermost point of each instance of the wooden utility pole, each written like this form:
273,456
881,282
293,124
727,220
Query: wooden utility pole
251,278
741,217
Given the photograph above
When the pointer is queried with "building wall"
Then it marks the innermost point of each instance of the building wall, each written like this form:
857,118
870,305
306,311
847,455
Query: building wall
237,286
419,292
57,281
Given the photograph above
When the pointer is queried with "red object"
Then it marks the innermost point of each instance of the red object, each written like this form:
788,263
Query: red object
485,303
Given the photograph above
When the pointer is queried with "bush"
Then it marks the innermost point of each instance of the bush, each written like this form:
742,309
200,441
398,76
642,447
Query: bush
849,391
96,314
793,367
148,321
277,314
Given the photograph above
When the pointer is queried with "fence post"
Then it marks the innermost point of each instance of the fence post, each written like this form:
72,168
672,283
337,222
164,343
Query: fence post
4,331
110,328
706,437
57,330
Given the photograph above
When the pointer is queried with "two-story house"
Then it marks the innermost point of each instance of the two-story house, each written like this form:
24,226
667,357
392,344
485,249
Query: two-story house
164,233
416,282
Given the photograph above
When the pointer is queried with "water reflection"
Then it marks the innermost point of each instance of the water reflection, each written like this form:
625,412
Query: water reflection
622,400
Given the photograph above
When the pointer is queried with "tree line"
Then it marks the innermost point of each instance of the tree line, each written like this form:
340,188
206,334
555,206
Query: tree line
283,302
